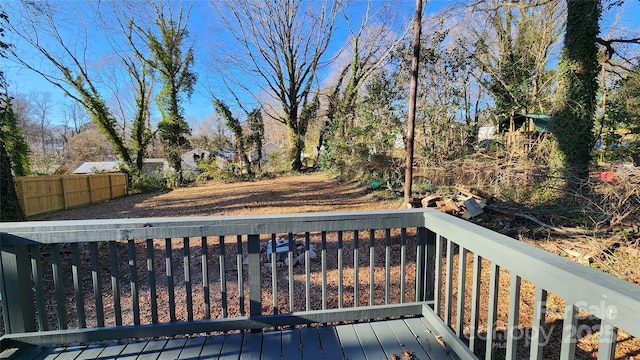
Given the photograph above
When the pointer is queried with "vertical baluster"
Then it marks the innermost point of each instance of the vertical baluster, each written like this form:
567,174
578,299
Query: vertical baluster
340,265
115,284
151,276
17,290
569,332
291,282
475,301
133,279
223,278
274,272
494,282
168,261
430,275
539,317
56,268
240,274
514,315
77,284
307,270
356,282
608,341
186,262
403,262
96,279
36,269
438,281
462,280
448,284
387,266
420,265
324,269
254,274
372,263
205,277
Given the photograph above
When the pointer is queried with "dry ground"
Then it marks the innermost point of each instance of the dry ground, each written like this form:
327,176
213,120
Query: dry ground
303,193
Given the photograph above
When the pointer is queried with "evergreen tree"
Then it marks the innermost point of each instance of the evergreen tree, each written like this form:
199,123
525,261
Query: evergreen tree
9,206
11,134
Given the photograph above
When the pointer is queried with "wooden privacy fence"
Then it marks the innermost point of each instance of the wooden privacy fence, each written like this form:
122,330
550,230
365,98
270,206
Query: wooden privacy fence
41,194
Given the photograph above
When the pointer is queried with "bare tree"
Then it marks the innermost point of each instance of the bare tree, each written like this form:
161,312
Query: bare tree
42,103
132,103
512,44
39,26
371,42
74,118
279,45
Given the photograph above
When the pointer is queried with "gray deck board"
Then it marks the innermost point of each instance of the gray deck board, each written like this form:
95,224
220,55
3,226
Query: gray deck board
26,354
71,352
212,347
369,341
153,349
112,351
409,340
49,353
311,348
390,344
330,343
192,348
232,346
272,345
291,344
172,349
132,350
92,351
365,340
252,345
426,339
349,342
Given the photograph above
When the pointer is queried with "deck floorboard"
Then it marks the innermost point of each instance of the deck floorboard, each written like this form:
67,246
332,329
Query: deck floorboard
363,340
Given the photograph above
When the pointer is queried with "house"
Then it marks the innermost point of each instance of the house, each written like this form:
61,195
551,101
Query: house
519,125
191,159
526,123
269,148
154,165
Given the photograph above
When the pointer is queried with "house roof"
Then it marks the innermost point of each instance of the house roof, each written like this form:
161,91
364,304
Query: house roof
91,167
540,121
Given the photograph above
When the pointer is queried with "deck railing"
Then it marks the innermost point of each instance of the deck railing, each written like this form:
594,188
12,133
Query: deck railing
94,280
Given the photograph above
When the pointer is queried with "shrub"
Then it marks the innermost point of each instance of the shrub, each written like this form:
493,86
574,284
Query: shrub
147,182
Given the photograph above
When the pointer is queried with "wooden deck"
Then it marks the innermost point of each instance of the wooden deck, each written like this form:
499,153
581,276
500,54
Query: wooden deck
79,282
362,340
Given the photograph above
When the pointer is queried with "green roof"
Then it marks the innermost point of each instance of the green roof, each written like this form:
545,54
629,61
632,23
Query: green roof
540,121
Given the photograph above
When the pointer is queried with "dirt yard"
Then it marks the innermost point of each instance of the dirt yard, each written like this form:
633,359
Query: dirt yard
303,193
310,193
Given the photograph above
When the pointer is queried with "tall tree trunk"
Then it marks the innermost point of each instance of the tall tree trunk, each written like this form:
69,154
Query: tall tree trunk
408,176
578,72
9,206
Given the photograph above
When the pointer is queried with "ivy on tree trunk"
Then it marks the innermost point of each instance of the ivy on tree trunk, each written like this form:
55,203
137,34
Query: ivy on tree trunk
577,87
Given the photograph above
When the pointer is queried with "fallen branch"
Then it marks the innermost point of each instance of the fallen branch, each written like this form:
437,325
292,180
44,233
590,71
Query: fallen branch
564,231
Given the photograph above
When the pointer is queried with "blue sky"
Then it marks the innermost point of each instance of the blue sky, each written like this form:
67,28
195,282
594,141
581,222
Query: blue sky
24,81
